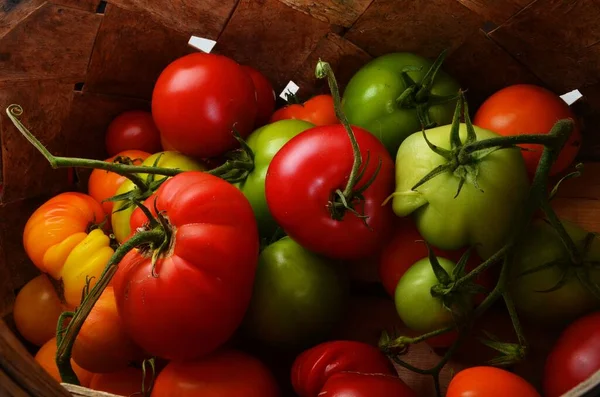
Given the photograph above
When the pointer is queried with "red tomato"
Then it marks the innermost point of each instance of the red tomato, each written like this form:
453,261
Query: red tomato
204,282
356,384
104,184
574,357
132,130
301,181
314,366
226,373
126,382
529,109
199,99
36,310
489,382
265,96
318,110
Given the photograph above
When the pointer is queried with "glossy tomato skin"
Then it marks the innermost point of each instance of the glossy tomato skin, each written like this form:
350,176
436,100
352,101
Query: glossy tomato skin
529,109
574,357
36,310
301,181
204,282
265,142
265,96
486,381
313,367
541,245
224,373
104,184
298,297
132,130
370,98
356,384
318,110
199,99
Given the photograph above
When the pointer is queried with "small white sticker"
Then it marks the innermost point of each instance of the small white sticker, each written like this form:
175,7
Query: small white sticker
571,97
290,88
202,44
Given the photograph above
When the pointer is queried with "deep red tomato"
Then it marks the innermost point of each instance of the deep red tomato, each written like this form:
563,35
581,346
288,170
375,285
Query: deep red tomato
302,179
104,184
356,384
529,109
489,382
225,373
265,96
199,99
314,366
574,357
318,110
125,382
204,281
132,130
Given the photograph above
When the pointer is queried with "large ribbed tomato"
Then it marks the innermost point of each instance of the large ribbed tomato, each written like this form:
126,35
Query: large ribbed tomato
203,283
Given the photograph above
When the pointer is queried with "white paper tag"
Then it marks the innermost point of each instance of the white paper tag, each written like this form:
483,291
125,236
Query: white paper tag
291,88
202,44
571,97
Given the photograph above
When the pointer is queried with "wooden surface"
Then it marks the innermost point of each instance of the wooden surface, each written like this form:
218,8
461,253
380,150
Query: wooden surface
75,64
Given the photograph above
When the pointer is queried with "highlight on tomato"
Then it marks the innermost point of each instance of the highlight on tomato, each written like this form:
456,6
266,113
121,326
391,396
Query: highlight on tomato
132,130
317,110
36,310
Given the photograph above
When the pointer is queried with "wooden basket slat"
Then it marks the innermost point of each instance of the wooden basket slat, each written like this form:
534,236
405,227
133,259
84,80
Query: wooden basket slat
15,12
425,27
51,42
277,45
496,12
85,5
589,109
558,40
335,12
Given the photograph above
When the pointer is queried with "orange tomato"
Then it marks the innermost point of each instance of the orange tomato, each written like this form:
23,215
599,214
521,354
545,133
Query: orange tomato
126,382
36,310
104,184
102,344
56,227
46,357
318,110
489,382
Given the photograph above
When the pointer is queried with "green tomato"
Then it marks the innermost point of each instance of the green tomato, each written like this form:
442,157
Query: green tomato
541,245
481,216
371,98
418,309
265,142
168,159
298,297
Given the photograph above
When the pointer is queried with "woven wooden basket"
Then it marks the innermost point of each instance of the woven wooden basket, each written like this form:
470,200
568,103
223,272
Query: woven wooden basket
76,64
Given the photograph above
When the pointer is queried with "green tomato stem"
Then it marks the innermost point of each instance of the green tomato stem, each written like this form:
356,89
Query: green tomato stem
66,338
560,229
512,311
126,170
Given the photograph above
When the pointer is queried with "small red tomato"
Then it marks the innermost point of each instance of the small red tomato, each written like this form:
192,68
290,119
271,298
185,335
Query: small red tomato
314,366
489,382
132,130
356,384
265,96
318,110
529,109
575,356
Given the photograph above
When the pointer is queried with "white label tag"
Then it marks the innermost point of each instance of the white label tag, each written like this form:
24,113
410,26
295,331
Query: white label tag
202,44
291,88
571,97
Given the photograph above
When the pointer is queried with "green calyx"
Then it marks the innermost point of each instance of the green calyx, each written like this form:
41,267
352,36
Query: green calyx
510,353
418,96
239,163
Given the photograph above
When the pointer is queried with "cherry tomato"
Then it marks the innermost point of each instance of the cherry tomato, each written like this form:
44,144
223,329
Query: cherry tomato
225,373
318,110
102,344
529,109
36,310
356,384
104,184
265,96
46,358
198,101
132,130
575,356
125,382
486,381
313,367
